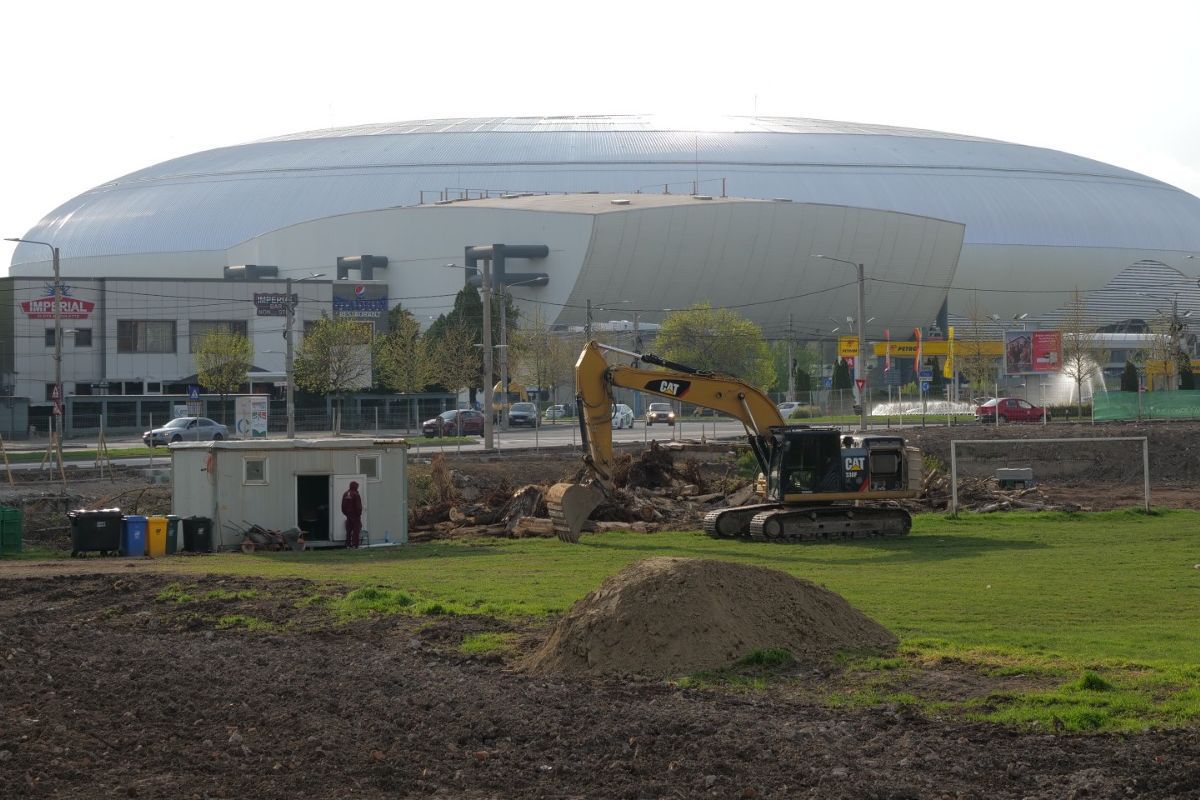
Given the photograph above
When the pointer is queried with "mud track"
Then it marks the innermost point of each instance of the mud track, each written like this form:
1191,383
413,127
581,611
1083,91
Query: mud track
107,692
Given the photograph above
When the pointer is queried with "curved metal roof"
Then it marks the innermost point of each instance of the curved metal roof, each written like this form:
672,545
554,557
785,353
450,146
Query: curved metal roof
1007,194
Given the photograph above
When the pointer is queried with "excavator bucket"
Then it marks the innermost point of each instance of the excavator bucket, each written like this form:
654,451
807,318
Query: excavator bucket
569,505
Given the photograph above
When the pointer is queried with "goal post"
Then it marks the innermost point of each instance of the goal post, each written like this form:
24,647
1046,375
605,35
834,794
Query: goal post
954,459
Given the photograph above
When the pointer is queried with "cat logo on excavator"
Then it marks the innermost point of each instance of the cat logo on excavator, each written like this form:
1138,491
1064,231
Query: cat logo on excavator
674,388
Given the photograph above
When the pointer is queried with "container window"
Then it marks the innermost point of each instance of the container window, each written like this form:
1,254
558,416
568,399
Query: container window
254,470
369,466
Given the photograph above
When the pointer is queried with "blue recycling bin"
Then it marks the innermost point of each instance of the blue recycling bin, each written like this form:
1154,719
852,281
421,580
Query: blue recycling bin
133,535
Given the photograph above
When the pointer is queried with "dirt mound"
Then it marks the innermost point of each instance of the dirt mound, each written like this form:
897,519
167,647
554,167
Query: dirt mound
674,616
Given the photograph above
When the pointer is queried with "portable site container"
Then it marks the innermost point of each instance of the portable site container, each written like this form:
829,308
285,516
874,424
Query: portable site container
292,483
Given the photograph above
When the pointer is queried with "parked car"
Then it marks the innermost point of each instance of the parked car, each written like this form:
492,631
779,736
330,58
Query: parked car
523,414
1011,409
455,422
659,412
186,429
622,416
559,411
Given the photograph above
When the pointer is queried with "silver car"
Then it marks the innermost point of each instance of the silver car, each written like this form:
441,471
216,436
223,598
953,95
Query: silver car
186,429
622,416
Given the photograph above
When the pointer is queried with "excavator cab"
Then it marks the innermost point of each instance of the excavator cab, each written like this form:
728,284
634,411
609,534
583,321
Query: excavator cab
804,461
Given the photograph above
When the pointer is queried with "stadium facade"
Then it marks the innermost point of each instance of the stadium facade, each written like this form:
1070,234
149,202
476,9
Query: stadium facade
727,210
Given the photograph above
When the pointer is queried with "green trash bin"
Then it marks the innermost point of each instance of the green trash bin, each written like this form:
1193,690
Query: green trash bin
11,525
173,534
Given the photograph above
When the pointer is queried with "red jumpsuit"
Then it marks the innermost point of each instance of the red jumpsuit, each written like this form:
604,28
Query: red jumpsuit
352,511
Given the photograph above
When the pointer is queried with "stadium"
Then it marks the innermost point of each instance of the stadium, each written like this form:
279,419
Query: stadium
638,215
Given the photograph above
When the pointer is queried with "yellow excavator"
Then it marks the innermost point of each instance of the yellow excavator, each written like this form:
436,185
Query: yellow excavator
820,484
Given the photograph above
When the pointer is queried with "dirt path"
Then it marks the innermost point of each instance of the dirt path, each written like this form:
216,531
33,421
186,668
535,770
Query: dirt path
106,692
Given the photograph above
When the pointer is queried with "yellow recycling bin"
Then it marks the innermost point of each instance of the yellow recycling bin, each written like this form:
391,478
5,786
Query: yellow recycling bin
156,537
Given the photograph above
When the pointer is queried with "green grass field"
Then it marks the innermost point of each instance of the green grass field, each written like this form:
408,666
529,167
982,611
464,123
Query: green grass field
1114,595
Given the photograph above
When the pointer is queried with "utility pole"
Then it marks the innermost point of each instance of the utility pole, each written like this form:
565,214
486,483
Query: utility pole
290,306
506,402
791,390
860,361
488,434
58,399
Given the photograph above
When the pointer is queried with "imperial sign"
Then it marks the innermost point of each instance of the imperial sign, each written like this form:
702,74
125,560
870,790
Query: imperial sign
70,307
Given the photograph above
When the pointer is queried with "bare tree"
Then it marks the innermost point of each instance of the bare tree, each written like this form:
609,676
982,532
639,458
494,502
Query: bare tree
1161,355
1082,351
334,358
973,355
544,357
223,357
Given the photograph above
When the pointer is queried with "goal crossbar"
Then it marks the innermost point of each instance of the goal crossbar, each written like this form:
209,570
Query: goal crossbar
954,458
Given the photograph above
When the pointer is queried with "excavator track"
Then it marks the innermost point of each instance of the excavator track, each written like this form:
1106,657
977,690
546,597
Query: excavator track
829,523
734,523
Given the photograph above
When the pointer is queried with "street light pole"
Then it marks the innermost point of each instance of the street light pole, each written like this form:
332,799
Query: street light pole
504,297
59,400
860,384
486,286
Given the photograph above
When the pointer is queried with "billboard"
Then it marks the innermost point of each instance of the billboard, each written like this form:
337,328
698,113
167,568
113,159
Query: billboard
1032,352
251,413
364,301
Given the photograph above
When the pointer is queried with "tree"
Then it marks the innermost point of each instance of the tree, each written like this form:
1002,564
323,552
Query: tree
223,358
544,357
467,314
802,363
971,351
1129,378
841,375
455,359
718,340
334,358
1082,353
402,356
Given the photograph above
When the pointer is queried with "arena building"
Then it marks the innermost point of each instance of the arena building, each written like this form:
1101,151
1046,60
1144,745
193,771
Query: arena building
730,211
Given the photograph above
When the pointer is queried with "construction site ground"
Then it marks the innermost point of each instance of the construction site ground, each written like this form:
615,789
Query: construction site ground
109,688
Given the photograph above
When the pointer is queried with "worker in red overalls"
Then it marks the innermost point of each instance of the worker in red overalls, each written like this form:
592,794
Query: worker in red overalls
352,511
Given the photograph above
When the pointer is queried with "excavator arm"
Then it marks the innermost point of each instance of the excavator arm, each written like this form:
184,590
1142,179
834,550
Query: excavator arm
595,378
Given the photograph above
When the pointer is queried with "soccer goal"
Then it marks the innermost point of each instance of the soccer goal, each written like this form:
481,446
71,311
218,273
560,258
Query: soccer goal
1063,454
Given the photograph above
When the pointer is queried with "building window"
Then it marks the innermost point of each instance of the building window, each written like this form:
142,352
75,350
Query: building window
153,387
199,328
49,337
83,337
132,387
49,392
145,336
83,388
369,466
254,470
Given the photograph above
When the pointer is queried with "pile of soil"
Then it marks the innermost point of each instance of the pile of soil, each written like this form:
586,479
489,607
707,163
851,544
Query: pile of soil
675,616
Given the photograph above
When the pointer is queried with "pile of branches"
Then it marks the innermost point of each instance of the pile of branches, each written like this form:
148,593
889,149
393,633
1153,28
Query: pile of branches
653,493
983,495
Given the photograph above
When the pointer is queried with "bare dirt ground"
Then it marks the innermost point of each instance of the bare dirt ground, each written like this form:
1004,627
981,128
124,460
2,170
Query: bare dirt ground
106,691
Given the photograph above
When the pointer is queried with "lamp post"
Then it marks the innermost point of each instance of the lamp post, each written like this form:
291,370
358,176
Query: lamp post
290,304
860,383
58,392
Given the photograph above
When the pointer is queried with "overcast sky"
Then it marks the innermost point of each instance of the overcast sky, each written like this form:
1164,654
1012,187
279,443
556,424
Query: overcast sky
92,91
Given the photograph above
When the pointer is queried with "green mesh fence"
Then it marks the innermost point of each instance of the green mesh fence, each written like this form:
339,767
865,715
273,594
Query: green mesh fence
1183,404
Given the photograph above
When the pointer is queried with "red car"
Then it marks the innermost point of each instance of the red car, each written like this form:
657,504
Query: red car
456,422
1012,409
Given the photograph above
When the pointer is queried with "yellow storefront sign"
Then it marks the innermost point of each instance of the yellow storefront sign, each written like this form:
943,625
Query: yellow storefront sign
962,348
847,347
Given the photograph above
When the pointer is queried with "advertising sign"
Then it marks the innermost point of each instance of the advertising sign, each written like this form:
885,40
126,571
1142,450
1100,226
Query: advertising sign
1047,351
69,307
273,304
251,413
847,346
1028,352
364,301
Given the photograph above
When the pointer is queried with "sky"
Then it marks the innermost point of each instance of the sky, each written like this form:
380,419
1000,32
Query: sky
92,91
